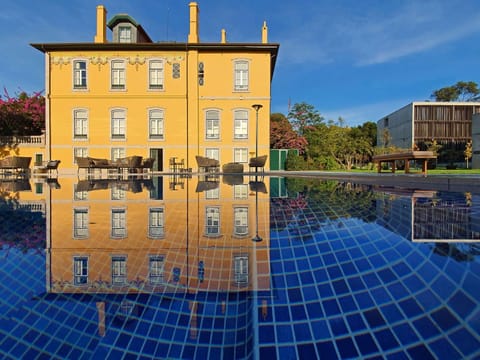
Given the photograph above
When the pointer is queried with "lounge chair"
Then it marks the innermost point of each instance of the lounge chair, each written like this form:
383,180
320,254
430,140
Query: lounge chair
258,162
207,164
232,168
147,163
18,164
49,166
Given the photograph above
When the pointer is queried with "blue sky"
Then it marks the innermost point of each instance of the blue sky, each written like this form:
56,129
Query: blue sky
359,60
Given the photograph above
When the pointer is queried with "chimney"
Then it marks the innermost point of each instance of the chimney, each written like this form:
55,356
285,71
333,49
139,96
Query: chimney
224,36
193,35
264,33
101,36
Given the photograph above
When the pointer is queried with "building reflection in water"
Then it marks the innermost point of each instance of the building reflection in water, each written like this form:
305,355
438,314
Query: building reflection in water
132,237
425,216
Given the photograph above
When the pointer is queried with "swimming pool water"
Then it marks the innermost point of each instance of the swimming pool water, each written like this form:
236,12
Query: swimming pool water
161,271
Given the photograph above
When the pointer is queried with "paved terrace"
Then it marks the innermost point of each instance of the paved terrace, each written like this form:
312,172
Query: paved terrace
459,183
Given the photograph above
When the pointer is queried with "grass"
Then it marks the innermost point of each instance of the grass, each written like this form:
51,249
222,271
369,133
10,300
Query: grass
437,171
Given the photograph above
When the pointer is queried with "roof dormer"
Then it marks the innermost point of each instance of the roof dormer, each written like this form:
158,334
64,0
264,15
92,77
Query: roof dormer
126,30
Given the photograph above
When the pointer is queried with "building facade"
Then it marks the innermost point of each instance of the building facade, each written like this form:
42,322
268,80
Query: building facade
165,100
448,123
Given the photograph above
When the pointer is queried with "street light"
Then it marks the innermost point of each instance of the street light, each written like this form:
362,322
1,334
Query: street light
256,238
256,107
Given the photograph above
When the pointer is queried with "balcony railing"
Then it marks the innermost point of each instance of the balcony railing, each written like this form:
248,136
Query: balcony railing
33,140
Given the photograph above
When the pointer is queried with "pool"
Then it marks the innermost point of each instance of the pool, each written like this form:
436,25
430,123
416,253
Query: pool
237,267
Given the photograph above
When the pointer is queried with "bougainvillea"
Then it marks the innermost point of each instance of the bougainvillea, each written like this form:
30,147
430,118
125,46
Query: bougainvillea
23,114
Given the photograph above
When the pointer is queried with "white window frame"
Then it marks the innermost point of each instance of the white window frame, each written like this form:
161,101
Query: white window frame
80,74
240,221
212,124
156,124
156,269
122,31
119,270
212,194
156,77
119,223
240,270
118,124
241,75
80,270
212,221
117,193
79,152
212,153
80,124
117,153
240,155
240,192
240,127
156,222
80,223
118,75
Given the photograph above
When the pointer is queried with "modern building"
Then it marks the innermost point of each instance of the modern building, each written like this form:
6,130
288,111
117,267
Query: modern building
166,100
448,123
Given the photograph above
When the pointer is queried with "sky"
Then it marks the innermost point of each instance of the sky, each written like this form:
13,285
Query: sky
355,59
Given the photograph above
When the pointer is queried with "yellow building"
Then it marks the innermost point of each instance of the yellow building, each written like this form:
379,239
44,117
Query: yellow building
133,96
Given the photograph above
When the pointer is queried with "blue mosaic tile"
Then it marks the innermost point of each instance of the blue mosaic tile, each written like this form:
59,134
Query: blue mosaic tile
366,344
345,288
420,352
346,348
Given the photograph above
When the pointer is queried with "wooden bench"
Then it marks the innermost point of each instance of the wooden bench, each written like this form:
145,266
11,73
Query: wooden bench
424,156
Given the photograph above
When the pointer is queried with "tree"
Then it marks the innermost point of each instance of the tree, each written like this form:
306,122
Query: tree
282,135
302,115
468,151
22,115
462,90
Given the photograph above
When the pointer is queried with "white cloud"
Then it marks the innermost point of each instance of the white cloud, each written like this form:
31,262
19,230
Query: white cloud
373,35
358,115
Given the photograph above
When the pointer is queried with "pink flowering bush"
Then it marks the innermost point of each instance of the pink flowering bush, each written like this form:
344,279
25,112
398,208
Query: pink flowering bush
23,114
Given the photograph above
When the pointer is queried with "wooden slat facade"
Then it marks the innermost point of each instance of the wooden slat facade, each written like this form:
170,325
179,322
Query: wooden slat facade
444,122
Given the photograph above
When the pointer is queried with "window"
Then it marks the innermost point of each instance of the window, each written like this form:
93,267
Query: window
80,195
156,268
212,193
212,153
156,223
118,153
241,76
118,124
155,74
80,270
212,226
119,270
240,155
79,152
80,223
118,74
38,188
240,264
240,215
241,124
240,192
124,34
117,193
212,124
80,124
155,121
119,227
80,74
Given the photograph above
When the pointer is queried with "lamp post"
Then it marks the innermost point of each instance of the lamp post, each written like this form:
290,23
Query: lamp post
256,107
256,238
